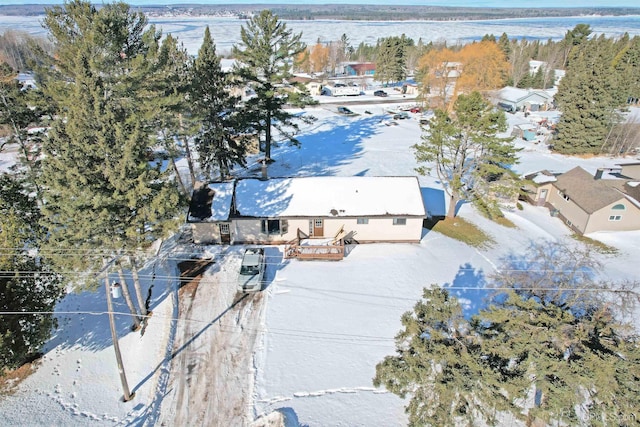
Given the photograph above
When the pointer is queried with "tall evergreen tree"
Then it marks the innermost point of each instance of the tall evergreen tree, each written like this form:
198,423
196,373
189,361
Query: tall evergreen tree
575,364
172,110
19,111
391,59
221,142
264,56
27,283
104,196
464,150
587,98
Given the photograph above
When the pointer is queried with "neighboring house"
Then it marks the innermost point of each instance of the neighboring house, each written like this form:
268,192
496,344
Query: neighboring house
449,70
524,99
313,86
537,187
588,203
360,69
278,210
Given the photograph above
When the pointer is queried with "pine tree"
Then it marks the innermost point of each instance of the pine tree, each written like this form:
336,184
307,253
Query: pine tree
104,196
20,110
438,364
575,363
464,149
27,283
172,111
222,142
390,60
264,54
586,96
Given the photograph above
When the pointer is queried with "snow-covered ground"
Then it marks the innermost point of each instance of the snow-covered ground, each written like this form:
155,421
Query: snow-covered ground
325,325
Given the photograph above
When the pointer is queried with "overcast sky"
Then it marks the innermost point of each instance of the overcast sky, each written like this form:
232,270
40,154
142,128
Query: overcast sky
476,3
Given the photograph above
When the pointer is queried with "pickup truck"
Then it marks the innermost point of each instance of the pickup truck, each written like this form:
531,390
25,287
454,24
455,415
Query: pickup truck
252,269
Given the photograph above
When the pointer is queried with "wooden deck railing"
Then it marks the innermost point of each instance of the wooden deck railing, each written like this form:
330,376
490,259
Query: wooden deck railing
303,248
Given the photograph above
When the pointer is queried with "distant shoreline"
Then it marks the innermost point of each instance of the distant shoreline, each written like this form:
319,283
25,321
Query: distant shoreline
351,12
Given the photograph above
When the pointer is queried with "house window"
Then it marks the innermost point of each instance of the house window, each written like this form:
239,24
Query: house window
224,228
274,226
615,217
363,221
618,207
564,196
399,221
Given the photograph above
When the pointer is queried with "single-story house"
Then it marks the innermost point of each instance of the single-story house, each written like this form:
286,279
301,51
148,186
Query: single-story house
278,210
524,99
589,203
313,86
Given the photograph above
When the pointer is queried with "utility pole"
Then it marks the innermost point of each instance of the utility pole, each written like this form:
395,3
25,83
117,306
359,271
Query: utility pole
114,336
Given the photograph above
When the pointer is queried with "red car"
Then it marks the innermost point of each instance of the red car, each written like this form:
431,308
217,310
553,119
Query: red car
416,109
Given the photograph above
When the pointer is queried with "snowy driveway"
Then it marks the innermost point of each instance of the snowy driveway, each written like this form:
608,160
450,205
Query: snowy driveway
211,366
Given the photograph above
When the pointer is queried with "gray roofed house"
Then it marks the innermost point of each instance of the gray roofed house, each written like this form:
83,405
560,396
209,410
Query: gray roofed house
587,203
525,99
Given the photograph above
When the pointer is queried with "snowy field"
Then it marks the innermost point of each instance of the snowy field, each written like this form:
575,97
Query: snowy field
326,324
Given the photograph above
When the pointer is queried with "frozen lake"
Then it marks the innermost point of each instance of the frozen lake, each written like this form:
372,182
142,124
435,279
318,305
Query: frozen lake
226,31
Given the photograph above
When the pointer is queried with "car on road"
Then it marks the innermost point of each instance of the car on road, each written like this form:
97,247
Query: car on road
252,268
416,110
345,110
380,93
401,115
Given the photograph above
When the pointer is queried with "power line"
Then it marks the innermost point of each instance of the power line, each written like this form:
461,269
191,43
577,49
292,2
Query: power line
302,333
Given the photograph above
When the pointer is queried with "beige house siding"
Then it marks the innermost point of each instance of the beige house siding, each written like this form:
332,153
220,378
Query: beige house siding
571,213
376,230
629,218
542,194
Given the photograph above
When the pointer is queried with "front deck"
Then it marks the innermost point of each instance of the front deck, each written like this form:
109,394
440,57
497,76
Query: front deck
322,248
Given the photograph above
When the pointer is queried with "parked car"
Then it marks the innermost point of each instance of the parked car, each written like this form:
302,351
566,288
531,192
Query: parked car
345,110
251,273
506,107
416,109
401,115
380,93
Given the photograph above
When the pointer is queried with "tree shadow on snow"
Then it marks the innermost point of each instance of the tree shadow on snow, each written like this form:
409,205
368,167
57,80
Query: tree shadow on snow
469,287
83,316
323,150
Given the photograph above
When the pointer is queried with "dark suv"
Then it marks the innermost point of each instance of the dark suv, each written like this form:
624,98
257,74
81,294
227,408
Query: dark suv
380,93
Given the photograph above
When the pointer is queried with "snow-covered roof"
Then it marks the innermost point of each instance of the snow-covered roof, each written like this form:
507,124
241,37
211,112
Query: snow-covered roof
212,203
329,196
514,94
540,177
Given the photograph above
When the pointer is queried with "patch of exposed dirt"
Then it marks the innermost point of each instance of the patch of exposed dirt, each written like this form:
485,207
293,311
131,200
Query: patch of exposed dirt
10,379
211,368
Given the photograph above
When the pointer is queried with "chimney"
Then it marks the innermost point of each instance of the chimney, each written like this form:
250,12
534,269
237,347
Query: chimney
599,173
